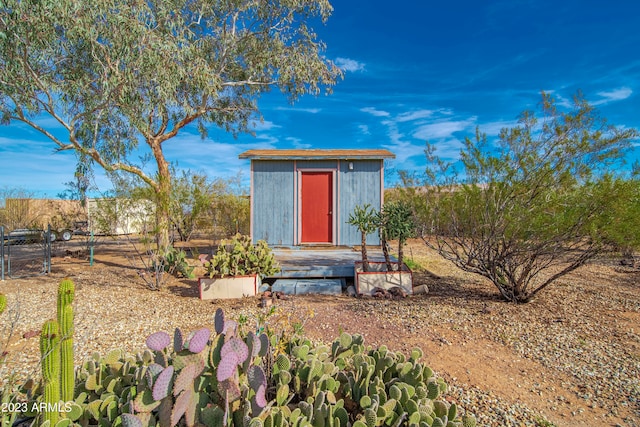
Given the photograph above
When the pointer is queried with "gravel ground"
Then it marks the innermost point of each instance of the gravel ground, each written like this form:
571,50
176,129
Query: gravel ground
569,358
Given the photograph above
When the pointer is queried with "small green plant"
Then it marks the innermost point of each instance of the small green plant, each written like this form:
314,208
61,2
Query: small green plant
543,422
175,263
240,257
413,264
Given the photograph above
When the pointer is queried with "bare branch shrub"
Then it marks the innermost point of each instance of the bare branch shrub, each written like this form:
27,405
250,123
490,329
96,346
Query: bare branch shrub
530,207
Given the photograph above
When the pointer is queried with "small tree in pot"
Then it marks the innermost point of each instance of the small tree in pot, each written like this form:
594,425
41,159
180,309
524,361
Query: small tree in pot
365,218
396,223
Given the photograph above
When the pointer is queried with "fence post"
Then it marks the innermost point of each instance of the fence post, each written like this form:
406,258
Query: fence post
2,253
91,250
47,251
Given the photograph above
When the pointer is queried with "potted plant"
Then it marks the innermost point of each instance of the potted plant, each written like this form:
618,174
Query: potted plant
365,219
237,269
395,222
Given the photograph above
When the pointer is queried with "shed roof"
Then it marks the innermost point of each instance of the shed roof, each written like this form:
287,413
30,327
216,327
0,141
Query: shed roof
317,154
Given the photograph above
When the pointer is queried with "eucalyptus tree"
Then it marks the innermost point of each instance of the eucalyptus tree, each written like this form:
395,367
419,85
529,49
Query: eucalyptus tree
107,76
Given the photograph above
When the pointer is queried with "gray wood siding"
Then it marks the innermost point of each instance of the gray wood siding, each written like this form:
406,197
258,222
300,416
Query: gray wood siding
358,187
273,202
317,164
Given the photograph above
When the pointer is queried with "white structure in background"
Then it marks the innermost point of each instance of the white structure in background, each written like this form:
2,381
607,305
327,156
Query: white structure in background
112,216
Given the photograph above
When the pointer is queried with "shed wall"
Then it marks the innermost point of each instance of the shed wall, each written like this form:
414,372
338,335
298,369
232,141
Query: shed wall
359,186
274,206
273,201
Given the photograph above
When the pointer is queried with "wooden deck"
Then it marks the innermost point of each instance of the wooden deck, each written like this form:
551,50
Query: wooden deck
321,262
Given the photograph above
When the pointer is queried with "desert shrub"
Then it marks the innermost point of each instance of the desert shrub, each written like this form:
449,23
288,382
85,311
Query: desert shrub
530,207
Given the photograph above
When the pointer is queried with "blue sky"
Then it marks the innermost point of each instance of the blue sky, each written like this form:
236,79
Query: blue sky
414,71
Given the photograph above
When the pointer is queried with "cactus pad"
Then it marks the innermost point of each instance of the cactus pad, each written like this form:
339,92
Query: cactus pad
469,420
345,340
158,341
261,398
229,389
113,357
264,345
153,371
230,327
199,340
227,366
282,362
3,303
218,321
178,340
284,377
129,420
370,417
163,383
433,390
181,406
184,380
453,411
237,346
440,408
143,402
416,354
256,377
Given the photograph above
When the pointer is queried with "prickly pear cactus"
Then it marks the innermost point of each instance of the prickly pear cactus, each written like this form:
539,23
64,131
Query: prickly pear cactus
224,377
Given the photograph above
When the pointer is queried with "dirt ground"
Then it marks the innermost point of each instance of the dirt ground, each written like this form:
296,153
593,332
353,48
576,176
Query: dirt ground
571,356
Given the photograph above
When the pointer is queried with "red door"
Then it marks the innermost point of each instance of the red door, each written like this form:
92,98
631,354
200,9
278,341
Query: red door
316,207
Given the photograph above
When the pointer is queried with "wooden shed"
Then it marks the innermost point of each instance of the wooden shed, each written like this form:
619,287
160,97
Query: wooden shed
304,197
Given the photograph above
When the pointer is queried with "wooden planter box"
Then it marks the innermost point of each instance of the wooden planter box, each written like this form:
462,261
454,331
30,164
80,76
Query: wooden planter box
379,277
229,287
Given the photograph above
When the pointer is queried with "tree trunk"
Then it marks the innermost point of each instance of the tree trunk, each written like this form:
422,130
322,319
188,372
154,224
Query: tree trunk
400,254
365,257
385,252
163,197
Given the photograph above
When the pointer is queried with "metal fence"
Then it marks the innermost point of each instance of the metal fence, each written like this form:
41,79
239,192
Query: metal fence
25,252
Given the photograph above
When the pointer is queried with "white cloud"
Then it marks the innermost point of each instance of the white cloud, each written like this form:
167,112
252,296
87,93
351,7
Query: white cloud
374,112
448,149
364,129
414,115
349,65
404,150
444,129
297,142
619,94
606,96
263,125
494,128
300,110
